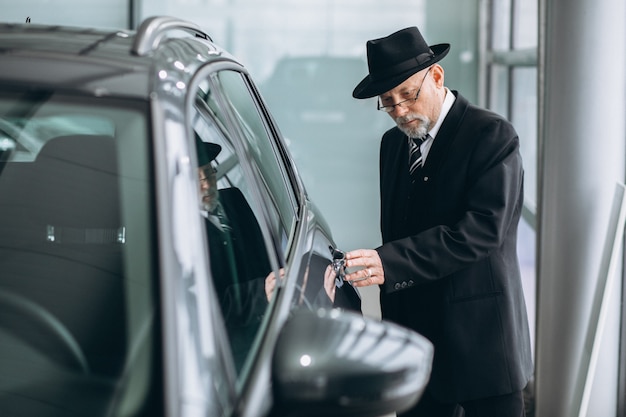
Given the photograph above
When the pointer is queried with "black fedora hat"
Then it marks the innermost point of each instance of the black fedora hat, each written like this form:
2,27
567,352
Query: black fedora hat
207,151
393,59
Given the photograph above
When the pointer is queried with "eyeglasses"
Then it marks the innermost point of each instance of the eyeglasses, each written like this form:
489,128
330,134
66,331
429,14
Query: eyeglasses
208,172
403,103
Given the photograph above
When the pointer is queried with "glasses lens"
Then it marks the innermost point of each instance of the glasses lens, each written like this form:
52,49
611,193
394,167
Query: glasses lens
403,103
386,109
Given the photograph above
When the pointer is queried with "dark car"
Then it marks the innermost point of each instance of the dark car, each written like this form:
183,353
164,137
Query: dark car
121,294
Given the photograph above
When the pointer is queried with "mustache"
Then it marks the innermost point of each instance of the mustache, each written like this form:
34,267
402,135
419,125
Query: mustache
417,130
410,117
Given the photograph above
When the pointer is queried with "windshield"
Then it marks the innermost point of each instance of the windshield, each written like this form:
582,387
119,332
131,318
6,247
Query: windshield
77,297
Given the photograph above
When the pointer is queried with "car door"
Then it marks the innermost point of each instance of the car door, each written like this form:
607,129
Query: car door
295,245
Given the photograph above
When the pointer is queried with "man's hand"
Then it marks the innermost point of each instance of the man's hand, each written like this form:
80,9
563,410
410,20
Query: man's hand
270,283
329,282
370,268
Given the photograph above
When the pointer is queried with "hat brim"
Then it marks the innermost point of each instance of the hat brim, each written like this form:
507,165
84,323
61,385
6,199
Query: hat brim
368,87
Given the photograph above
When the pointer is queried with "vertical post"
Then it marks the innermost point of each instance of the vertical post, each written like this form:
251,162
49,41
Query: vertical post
582,146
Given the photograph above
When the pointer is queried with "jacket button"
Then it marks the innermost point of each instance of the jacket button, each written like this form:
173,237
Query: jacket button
425,179
397,286
411,283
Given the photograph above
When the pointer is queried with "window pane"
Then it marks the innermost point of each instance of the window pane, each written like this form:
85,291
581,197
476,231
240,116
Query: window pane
77,286
499,89
275,182
100,13
526,24
524,118
501,24
239,258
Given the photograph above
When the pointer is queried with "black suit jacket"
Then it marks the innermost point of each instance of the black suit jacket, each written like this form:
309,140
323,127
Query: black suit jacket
239,265
449,252
239,260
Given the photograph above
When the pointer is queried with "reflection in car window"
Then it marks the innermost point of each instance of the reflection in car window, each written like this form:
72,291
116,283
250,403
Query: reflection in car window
24,136
277,188
238,256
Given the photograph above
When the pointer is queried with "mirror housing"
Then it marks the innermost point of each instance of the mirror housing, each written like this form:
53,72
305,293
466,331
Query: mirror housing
338,363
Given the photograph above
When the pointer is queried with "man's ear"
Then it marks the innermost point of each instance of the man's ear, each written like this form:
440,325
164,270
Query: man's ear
437,74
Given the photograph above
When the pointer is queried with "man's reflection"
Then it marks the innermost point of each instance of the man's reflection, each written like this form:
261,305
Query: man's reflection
239,261
238,252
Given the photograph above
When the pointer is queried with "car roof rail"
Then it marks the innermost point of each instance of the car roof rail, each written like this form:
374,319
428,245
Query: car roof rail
153,29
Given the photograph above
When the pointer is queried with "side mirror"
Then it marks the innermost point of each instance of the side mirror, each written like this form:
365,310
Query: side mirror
337,363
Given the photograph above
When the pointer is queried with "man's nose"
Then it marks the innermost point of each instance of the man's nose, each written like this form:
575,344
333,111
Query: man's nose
398,111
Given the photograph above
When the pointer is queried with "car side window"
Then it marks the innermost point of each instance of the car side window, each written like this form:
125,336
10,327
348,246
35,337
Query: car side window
278,193
240,258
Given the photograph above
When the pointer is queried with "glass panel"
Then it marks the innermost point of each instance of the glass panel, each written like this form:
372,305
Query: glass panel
499,89
524,118
333,138
274,179
500,32
526,24
239,258
78,321
100,13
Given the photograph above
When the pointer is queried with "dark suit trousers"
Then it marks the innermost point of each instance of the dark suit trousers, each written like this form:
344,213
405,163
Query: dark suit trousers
510,405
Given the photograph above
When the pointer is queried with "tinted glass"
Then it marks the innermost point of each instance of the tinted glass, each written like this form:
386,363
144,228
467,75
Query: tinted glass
273,178
77,298
240,249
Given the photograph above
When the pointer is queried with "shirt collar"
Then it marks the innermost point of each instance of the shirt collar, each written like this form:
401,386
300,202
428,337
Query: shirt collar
445,108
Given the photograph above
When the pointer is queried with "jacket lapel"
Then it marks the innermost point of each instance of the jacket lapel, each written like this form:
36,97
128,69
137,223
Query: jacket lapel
446,136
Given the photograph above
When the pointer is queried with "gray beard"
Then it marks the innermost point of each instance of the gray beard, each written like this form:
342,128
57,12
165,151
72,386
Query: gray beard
414,132
210,205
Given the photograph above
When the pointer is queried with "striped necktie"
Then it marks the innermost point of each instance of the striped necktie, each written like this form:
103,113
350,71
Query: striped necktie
415,154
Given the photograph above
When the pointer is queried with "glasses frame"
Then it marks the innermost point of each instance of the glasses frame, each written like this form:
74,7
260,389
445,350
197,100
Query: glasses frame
211,170
403,103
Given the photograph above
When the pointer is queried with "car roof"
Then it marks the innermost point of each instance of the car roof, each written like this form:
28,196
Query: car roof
103,61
